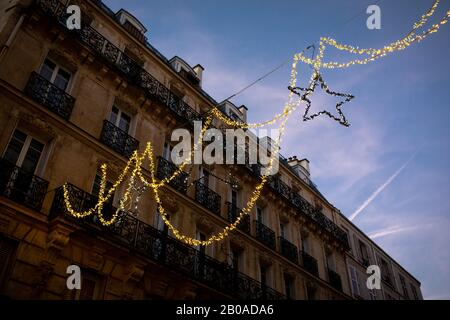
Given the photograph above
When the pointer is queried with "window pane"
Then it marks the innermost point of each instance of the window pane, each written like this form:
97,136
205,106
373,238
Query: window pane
47,69
96,187
33,155
124,122
15,146
87,289
62,79
114,115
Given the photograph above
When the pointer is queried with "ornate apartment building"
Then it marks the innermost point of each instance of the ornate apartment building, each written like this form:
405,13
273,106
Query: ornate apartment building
71,100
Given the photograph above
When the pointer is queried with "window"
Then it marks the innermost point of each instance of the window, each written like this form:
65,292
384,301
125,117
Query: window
311,292
331,263
55,74
235,258
7,248
385,272
289,286
120,119
96,187
263,274
347,234
167,152
414,291
354,280
91,287
204,176
363,253
24,151
234,198
159,222
305,244
201,236
404,288
259,215
283,230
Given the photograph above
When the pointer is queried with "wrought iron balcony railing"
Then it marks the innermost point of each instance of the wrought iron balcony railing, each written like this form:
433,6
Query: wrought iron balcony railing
309,263
118,140
304,207
166,169
335,279
207,197
126,66
288,249
233,212
22,186
265,235
46,93
157,246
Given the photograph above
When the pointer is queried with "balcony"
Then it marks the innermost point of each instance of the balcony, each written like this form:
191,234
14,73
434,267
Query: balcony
233,212
46,93
157,246
288,249
207,197
280,187
166,169
118,140
334,279
309,263
265,235
22,186
122,63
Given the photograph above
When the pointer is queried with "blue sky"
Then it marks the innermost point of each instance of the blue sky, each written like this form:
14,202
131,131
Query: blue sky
401,111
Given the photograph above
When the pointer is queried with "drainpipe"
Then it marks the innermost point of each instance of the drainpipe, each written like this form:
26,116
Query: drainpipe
11,37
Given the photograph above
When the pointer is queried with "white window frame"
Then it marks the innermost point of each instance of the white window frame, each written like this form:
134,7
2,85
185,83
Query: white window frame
25,147
119,115
55,72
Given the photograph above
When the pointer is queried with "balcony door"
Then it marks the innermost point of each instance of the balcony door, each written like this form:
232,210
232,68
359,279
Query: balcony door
55,74
23,152
120,119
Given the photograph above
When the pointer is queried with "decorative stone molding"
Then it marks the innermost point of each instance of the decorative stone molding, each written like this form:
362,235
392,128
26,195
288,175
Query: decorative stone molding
170,203
38,123
93,258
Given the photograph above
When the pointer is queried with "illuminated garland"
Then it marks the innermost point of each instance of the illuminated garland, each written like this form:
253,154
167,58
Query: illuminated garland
136,160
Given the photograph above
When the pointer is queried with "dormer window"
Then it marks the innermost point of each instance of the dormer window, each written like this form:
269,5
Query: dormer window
185,70
132,25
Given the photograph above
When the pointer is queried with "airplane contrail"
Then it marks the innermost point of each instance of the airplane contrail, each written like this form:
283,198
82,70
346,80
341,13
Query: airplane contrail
381,188
386,232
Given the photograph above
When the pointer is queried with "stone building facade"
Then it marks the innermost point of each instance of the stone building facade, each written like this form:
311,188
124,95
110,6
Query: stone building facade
71,100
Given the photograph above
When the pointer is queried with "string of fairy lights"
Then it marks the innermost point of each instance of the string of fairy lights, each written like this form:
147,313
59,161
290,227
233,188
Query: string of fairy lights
142,164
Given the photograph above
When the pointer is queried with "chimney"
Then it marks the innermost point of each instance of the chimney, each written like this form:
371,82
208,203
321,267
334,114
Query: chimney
198,69
243,109
305,164
301,167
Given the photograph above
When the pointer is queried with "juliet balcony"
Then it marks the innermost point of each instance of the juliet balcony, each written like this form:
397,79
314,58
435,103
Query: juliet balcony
138,236
166,169
334,279
50,96
233,212
118,140
288,249
265,235
207,197
22,186
309,263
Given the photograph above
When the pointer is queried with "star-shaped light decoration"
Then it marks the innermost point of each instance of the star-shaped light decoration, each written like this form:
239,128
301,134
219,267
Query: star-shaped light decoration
307,91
